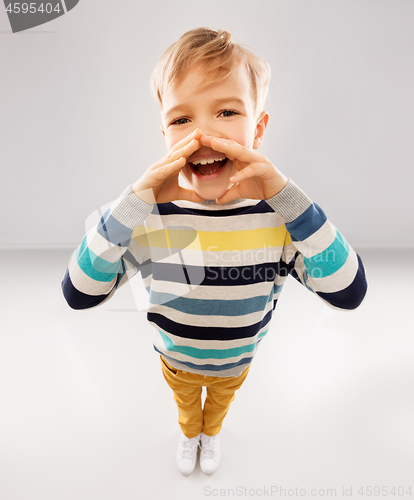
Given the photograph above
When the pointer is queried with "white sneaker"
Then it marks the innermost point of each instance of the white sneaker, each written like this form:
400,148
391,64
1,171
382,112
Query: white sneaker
210,454
187,453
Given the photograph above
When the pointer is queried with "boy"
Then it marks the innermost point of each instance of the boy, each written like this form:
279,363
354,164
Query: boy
213,255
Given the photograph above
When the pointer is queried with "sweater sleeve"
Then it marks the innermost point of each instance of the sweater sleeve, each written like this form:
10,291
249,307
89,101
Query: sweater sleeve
103,261
316,253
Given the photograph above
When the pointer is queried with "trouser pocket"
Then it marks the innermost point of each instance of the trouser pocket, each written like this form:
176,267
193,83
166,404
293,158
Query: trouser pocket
167,367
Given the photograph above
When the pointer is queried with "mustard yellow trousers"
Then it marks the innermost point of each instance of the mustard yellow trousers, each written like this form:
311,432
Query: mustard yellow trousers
187,388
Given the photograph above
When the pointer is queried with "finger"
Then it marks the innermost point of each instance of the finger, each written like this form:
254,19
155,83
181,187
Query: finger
195,134
251,170
187,150
173,168
231,149
231,194
177,150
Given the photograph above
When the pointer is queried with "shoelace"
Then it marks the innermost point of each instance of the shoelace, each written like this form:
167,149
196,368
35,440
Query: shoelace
190,446
207,446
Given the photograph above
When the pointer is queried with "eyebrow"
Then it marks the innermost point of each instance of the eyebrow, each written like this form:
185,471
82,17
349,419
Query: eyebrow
215,102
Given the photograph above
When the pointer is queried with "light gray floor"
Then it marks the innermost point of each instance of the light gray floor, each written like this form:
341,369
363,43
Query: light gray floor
85,413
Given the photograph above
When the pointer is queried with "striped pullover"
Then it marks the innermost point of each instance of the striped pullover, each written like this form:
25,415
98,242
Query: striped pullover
214,272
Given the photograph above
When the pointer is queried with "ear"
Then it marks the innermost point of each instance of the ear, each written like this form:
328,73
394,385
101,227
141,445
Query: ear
260,129
162,130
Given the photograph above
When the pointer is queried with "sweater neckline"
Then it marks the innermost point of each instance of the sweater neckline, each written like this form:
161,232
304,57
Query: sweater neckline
214,203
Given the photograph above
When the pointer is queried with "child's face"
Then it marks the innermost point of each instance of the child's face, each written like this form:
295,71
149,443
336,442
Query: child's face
224,109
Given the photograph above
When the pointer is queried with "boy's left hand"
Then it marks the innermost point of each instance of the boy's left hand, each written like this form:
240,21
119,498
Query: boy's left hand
257,178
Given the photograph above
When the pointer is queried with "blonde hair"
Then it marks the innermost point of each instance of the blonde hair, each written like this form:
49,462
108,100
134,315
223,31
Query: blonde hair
216,53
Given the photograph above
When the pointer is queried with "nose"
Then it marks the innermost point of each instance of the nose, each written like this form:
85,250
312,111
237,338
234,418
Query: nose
209,127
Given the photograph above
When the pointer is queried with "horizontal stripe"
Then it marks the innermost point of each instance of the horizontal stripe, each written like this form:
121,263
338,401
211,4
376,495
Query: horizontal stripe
219,276
212,258
206,343
248,207
208,296
113,231
93,266
171,238
214,293
207,367
198,353
242,240
204,223
321,239
340,279
104,248
77,299
212,321
330,260
205,332
351,296
307,223
211,307
83,282
181,358
187,237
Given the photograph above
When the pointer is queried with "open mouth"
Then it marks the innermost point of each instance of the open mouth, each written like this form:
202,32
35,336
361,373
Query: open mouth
208,166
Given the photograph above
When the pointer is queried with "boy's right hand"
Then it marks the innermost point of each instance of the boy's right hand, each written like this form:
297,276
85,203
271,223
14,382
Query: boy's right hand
162,176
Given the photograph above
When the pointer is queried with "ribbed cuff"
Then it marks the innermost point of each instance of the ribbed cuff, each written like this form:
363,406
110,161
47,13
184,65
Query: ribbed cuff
290,202
130,210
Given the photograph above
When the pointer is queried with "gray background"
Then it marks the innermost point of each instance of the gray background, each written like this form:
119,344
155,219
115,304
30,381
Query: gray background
78,123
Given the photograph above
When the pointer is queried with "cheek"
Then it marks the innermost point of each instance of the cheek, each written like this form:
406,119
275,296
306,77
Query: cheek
243,136
174,136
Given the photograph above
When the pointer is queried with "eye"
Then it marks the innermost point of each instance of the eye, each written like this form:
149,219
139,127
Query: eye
228,112
180,121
